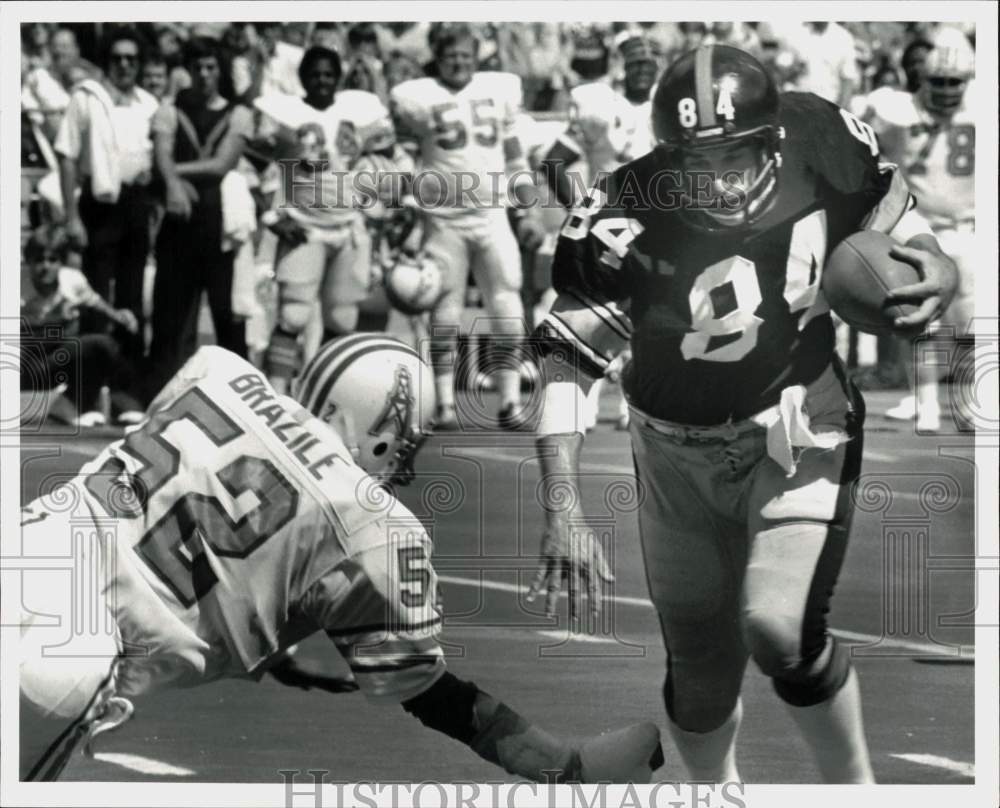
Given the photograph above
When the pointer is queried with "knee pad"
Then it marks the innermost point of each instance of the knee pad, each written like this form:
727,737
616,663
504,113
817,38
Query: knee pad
284,355
816,682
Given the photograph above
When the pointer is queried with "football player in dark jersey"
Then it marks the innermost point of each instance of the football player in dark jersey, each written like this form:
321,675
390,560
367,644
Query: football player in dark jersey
707,255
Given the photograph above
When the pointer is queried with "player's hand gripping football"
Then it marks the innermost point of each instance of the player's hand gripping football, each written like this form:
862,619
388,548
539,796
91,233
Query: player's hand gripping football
571,551
936,288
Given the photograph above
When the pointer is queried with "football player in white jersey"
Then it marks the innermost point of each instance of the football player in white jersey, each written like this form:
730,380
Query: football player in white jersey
324,252
643,57
470,165
931,134
233,523
606,128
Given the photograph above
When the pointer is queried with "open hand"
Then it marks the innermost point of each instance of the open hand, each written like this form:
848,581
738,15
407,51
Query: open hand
571,549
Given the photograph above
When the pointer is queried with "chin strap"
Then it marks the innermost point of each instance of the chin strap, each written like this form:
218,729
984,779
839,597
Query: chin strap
401,469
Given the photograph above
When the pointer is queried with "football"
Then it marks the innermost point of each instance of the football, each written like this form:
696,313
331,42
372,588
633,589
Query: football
858,277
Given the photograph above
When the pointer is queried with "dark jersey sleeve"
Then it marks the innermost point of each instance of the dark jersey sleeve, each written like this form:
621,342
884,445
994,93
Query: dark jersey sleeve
590,316
859,185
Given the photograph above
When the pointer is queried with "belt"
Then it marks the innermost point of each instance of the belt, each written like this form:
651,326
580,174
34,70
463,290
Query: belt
720,433
786,426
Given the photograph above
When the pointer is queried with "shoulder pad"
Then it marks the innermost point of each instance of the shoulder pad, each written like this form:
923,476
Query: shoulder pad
593,93
506,86
629,183
413,93
829,141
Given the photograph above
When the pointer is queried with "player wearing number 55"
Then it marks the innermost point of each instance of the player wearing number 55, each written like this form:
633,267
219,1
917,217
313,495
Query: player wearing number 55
233,523
746,433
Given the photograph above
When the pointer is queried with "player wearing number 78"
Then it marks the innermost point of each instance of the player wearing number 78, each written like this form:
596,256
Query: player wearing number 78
707,256
931,134
233,523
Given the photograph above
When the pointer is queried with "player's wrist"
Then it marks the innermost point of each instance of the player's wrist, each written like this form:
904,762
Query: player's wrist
559,458
564,511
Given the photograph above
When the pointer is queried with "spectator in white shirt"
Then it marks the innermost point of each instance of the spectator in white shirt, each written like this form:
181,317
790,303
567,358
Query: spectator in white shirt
105,162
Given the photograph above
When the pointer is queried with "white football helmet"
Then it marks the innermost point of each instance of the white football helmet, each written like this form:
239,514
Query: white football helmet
414,284
378,394
950,65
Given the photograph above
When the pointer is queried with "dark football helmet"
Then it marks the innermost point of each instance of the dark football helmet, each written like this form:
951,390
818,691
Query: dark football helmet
715,117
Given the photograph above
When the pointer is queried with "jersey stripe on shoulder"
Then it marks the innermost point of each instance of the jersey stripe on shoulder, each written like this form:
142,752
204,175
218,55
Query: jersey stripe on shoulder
610,313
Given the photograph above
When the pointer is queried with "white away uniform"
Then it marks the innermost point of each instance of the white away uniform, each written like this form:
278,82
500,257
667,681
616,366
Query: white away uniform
230,525
462,179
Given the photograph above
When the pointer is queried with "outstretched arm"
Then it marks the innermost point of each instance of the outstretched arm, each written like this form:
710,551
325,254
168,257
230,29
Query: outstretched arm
586,328
503,737
570,549
492,730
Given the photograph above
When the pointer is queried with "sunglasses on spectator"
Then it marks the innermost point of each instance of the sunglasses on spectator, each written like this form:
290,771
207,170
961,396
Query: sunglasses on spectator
125,58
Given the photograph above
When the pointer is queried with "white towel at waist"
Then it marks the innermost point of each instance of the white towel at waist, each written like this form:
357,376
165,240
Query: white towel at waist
105,171
789,430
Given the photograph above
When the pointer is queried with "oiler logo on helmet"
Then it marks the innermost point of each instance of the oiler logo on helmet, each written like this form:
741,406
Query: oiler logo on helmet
397,414
383,394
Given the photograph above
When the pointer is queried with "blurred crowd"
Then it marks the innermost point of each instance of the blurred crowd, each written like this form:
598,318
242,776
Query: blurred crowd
104,260
836,60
